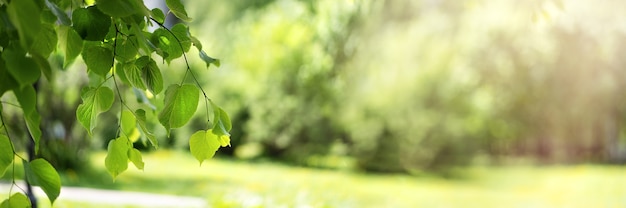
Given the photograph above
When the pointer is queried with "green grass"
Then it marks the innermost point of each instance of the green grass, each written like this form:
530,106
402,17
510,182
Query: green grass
227,183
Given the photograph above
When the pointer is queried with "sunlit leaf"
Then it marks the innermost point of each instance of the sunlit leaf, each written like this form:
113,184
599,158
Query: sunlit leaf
90,23
95,101
151,74
141,119
181,102
6,154
135,156
40,172
17,200
98,59
116,160
203,145
182,34
158,15
71,44
128,122
168,44
221,125
126,49
177,8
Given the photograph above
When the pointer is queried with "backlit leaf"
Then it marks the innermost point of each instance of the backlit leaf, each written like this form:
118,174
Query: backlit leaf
151,74
40,172
221,125
71,44
132,74
116,160
203,145
98,59
27,97
158,15
17,200
95,101
135,156
90,23
178,9
6,155
181,102
126,49
182,34
167,43
128,122
141,119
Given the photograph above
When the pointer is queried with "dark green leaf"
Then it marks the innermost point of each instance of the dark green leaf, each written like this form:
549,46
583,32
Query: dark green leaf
59,13
182,34
135,156
116,160
141,119
18,200
180,105
208,60
25,17
90,23
7,82
151,74
22,68
40,172
44,66
203,145
95,101
126,49
71,44
45,41
98,59
27,97
6,154
119,8
178,9
158,15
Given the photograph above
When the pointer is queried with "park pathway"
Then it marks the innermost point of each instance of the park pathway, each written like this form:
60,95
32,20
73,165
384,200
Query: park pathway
115,198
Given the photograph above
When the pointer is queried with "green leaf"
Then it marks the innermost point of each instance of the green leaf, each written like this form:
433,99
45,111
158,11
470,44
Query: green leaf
98,59
178,9
116,160
44,65
95,101
126,49
182,34
203,145
132,74
141,119
6,154
128,122
143,98
180,105
90,23
221,125
196,42
135,156
40,172
25,17
22,68
158,15
164,40
18,200
45,41
151,74
7,82
119,8
208,60
27,97
59,13
71,44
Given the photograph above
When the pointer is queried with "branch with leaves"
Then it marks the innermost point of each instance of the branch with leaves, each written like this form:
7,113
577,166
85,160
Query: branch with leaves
112,38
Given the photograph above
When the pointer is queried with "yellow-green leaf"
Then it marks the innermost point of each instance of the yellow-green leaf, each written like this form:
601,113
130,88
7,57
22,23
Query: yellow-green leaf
203,145
17,200
178,9
98,59
135,156
6,154
40,172
95,101
27,97
141,119
128,122
116,160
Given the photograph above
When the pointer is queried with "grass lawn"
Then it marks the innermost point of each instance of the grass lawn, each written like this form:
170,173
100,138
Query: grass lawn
226,183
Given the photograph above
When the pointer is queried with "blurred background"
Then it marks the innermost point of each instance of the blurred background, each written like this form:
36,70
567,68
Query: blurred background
389,103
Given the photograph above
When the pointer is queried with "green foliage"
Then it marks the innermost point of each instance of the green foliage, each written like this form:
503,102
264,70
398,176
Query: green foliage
27,28
98,59
17,200
40,172
177,9
90,23
116,161
181,102
22,68
95,101
6,156
28,101
203,145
